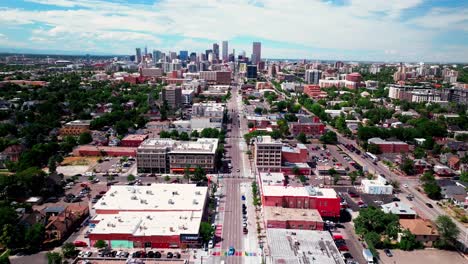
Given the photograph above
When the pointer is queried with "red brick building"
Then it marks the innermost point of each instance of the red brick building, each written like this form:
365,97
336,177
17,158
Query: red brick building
325,201
133,140
290,218
311,127
314,91
389,146
354,77
297,154
89,150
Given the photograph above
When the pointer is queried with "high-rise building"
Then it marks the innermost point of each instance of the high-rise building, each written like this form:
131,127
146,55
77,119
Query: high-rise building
225,51
183,55
267,154
339,64
193,57
313,76
216,51
138,55
156,55
251,71
256,52
207,52
173,95
146,50
172,55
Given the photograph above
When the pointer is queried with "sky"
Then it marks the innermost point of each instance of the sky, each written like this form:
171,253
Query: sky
361,30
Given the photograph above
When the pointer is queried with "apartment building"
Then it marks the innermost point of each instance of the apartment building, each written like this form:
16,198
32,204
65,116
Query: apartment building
267,154
218,77
171,156
75,128
173,95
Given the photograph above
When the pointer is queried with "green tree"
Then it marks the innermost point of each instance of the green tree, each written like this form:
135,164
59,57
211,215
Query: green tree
407,165
448,231
167,178
250,125
375,220
464,176
52,164
258,110
419,153
131,177
374,149
353,177
194,134
34,237
85,138
408,241
336,178
187,173
164,111
164,134
206,231
199,175
184,136
100,244
329,138
432,189
69,250
54,258
302,138
296,171
4,259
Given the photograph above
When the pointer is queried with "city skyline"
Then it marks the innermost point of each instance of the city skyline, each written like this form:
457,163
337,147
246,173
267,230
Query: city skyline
413,30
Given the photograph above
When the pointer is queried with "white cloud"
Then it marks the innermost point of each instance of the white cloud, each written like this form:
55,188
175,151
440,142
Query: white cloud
371,25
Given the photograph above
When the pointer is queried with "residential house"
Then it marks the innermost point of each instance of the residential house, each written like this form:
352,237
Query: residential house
456,194
403,210
421,165
424,230
61,221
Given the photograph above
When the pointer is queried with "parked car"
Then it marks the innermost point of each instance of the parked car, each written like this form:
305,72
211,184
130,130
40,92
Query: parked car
177,255
231,251
429,205
245,230
363,206
211,244
157,254
169,255
79,243
353,194
388,252
243,197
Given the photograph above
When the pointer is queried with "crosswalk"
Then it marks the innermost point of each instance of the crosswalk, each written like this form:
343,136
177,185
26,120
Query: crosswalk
236,254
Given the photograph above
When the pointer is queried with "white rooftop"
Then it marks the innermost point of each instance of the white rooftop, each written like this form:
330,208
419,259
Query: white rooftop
398,208
148,224
202,145
272,178
291,246
156,197
299,191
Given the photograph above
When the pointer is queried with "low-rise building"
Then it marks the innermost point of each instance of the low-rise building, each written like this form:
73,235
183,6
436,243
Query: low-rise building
295,246
378,186
75,128
291,218
403,210
90,150
310,126
389,146
294,154
267,154
133,140
424,230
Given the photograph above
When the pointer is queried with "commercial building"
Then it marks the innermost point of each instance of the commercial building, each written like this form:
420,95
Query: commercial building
173,95
314,91
251,72
389,146
457,95
403,210
295,246
325,201
151,72
267,154
171,156
310,126
138,55
90,150
291,218
133,140
75,128
216,77
294,154
256,52
354,77
155,216
313,76
378,186
225,51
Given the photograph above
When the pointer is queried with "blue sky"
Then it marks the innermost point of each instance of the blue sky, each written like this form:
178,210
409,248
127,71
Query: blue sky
376,30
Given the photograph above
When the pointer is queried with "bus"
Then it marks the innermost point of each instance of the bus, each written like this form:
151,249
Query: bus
372,157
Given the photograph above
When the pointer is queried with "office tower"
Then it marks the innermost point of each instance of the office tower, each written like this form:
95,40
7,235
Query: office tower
216,51
193,57
267,154
225,51
202,57
251,71
156,55
172,55
183,55
211,57
256,52
207,52
173,95
138,55
313,76
146,50
339,64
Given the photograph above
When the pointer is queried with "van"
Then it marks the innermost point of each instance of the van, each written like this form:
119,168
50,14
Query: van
367,254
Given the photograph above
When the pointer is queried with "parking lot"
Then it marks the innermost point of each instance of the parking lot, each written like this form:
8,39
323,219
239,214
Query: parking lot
426,256
114,165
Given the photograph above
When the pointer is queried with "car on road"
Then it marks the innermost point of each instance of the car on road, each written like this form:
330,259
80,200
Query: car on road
245,230
243,197
388,252
244,224
238,170
157,254
80,244
429,205
363,205
405,185
169,255
231,251
210,243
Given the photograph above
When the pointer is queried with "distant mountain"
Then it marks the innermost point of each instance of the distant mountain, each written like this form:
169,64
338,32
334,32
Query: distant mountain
52,52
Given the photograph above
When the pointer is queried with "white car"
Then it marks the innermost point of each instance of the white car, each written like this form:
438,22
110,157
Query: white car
405,185
211,244
81,254
119,253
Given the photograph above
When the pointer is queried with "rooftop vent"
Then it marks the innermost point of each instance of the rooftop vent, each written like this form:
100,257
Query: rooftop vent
149,192
195,201
171,201
133,197
198,193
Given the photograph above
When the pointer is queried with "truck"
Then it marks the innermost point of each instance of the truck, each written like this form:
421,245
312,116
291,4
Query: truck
372,157
367,254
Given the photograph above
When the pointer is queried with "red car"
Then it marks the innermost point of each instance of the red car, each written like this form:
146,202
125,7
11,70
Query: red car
80,244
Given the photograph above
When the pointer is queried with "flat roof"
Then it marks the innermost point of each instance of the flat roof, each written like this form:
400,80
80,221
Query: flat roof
398,208
202,145
272,178
156,197
79,123
149,223
291,214
135,137
293,246
299,191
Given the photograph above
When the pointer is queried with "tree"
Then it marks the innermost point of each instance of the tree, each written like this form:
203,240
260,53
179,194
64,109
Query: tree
432,189
85,138
164,134
464,176
69,250
184,136
194,134
408,241
100,244
206,231
353,177
375,220
448,231
130,177
250,125
258,110
336,178
167,178
52,164
199,175
34,237
329,138
419,153
187,173
164,111
296,171
54,258
302,138
374,149
4,259
407,165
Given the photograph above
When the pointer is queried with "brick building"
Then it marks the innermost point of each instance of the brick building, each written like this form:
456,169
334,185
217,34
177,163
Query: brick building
310,126
133,140
90,150
291,218
267,154
75,128
296,154
389,146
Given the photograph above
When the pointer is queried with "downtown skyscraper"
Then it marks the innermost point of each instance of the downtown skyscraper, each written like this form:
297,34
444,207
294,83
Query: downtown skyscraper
225,50
138,55
256,53
216,51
